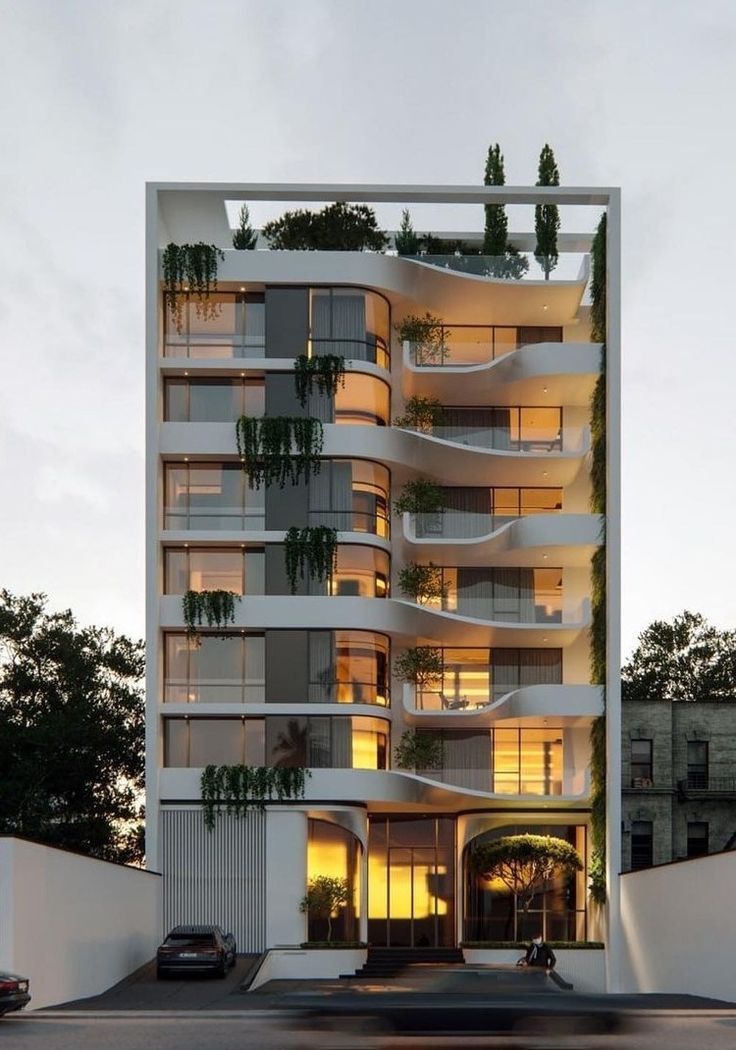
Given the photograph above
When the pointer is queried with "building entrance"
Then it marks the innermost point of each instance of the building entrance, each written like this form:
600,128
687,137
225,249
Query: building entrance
411,884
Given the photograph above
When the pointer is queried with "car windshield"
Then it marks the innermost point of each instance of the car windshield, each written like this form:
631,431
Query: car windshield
180,940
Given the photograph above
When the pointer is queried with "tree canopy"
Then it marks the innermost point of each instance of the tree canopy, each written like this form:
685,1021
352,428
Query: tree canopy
337,227
71,731
525,863
547,216
325,895
687,659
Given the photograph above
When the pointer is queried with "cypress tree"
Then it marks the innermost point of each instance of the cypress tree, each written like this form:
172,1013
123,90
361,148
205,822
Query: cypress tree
406,241
245,237
547,216
497,226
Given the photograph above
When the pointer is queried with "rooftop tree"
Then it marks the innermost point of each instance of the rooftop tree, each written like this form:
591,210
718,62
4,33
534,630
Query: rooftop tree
406,241
504,259
547,216
338,227
245,237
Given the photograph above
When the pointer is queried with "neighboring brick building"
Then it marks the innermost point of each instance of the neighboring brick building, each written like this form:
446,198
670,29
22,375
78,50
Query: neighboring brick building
678,780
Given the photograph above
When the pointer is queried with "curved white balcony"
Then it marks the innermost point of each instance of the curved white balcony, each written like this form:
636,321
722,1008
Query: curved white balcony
494,539
431,286
542,373
446,461
405,621
376,788
566,702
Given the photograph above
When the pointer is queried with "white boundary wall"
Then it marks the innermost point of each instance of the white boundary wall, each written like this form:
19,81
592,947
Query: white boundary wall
679,928
305,964
72,924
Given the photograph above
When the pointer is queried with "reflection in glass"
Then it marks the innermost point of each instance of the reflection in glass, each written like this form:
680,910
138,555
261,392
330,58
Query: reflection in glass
474,678
350,322
198,569
236,330
211,496
198,742
212,400
331,742
210,668
333,852
503,595
348,667
351,495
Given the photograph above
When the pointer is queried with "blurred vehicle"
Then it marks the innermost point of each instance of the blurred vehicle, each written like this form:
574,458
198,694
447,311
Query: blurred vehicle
13,992
196,948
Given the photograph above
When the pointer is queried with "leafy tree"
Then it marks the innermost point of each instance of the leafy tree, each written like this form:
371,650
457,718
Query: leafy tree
422,665
687,659
423,583
324,896
406,241
245,237
428,337
504,260
547,216
337,227
71,731
419,749
420,496
422,414
525,863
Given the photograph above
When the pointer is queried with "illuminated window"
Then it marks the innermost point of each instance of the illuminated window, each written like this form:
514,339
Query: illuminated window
333,852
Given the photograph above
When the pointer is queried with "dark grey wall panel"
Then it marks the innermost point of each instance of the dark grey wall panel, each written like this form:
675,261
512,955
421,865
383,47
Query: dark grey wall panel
276,579
287,667
286,507
287,321
281,399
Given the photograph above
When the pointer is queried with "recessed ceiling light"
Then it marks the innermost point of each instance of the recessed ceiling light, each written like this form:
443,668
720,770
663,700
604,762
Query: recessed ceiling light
545,307
242,288
186,373
545,556
545,473
544,388
186,459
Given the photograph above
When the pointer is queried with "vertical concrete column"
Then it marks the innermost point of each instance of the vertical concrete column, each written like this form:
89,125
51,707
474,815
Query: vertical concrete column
286,867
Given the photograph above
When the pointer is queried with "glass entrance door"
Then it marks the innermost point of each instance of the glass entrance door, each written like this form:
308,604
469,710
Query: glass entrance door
411,890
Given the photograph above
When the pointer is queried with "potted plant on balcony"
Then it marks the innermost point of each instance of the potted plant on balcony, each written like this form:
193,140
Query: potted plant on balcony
422,583
420,496
419,749
428,337
422,414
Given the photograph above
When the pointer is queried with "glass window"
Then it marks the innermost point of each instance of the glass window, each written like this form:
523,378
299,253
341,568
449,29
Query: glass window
350,322
217,741
697,838
232,326
199,569
351,496
370,743
641,763
527,761
362,572
697,764
213,400
333,852
348,667
211,497
641,844
363,400
214,669
540,429
176,742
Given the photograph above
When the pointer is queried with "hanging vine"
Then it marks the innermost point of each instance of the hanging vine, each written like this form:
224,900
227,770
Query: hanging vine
325,371
311,551
215,608
191,269
598,570
236,789
277,449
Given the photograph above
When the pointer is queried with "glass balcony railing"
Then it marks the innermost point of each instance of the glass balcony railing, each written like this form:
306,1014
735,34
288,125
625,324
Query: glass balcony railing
484,780
570,266
504,439
462,524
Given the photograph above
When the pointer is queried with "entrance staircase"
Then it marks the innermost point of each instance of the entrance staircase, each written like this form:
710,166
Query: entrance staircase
390,962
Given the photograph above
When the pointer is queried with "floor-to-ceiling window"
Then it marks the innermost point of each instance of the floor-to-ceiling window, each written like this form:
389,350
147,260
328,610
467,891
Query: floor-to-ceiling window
333,852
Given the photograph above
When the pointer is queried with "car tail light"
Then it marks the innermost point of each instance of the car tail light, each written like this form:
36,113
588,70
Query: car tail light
9,986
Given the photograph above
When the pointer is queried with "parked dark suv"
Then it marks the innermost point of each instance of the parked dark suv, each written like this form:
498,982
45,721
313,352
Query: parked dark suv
196,948
13,992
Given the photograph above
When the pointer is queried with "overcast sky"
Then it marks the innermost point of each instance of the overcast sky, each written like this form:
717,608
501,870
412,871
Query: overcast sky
98,97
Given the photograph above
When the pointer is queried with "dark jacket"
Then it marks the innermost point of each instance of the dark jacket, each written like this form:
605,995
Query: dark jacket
540,955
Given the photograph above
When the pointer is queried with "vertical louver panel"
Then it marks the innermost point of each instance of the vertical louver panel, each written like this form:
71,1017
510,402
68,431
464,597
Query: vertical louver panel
216,876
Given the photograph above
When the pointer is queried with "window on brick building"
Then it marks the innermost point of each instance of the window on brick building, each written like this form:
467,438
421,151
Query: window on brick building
641,844
697,838
641,763
697,764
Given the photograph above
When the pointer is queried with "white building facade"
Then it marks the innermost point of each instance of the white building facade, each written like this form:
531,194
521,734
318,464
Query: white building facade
311,679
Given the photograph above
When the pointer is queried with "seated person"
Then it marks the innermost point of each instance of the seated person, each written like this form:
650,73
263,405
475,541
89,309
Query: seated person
539,954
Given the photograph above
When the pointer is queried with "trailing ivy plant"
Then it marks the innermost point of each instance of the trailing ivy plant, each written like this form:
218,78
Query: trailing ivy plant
236,789
422,665
422,583
191,269
277,449
420,496
428,337
245,237
324,371
422,414
311,551
419,749
215,608
598,570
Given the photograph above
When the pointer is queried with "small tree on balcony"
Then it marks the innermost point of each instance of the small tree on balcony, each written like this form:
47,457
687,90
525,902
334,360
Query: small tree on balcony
427,335
245,237
547,216
422,665
406,241
525,863
420,496
419,749
422,414
324,896
422,583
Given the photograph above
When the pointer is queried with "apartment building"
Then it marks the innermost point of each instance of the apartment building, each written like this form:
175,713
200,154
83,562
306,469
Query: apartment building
678,780
312,679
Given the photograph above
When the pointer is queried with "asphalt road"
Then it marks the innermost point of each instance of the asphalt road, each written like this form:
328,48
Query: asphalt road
243,1031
